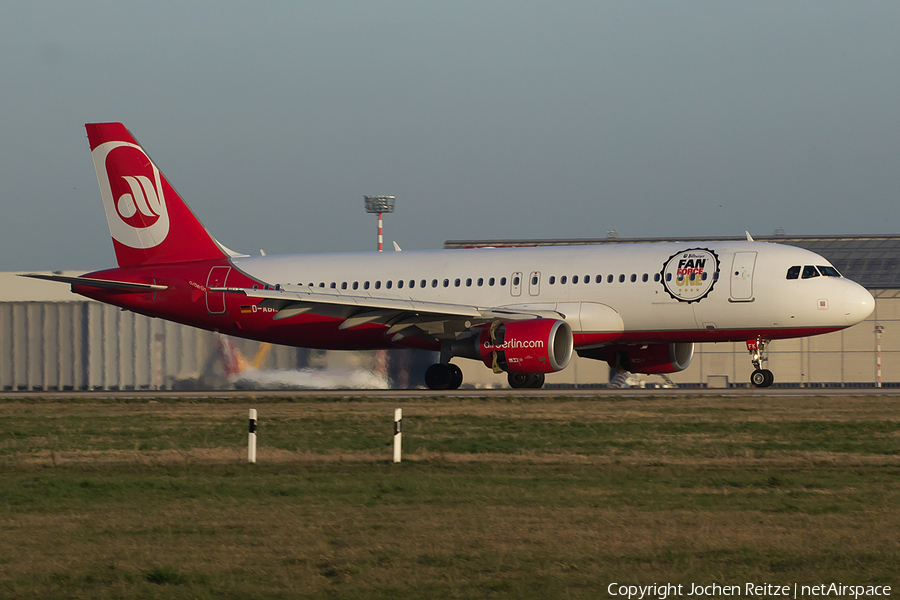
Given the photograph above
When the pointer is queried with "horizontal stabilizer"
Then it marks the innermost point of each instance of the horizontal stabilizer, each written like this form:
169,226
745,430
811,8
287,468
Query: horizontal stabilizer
125,286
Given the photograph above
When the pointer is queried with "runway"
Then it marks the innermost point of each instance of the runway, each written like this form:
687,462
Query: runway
149,395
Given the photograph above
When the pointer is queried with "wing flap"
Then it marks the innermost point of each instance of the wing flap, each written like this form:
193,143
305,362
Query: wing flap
404,317
124,286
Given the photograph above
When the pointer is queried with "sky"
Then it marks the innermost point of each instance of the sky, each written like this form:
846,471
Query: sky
500,120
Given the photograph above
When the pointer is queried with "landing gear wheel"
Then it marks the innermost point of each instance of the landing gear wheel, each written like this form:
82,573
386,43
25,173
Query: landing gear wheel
438,377
762,378
456,377
525,380
518,380
443,377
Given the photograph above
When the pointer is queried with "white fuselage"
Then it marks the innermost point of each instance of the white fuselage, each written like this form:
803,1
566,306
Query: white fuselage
747,293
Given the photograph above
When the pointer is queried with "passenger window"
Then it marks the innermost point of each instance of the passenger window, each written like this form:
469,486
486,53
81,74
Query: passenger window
503,281
633,278
399,284
829,271
457,282
446,283
809,272
587,279
366,285
434,283
516,280
599,279
321,284
562,280
491,282
704,275
333,285
480,281
621,278
668,277
469,282
534,280
656,277
575,279
794,272
609,278
377,285
644,278
423,282
344,286
552,280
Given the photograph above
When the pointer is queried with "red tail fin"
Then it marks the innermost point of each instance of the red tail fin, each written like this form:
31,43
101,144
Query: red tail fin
148,220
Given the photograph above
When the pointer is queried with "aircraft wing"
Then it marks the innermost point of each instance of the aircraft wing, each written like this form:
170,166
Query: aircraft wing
406,318
125,286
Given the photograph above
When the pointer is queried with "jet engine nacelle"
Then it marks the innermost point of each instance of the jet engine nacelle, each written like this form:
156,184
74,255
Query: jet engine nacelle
533,346
651,359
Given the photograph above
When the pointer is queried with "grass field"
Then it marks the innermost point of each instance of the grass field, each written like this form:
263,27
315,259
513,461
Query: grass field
503,497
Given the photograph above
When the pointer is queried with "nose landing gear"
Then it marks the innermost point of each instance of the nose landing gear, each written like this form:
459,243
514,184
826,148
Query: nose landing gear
760,377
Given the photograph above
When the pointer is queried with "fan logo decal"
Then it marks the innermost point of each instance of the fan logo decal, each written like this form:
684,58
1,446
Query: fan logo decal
689,276
132,192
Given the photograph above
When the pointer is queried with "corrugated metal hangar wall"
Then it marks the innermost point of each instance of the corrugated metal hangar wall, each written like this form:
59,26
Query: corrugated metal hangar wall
51,339
88,345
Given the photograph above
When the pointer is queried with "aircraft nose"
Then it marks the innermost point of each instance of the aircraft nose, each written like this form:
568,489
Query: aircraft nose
858,304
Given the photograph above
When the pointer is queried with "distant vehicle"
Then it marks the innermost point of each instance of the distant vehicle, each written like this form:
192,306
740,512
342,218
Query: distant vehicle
523,311
246,374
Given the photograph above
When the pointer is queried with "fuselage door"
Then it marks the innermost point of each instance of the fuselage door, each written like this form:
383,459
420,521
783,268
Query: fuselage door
215,301
534,283
742,276
515,284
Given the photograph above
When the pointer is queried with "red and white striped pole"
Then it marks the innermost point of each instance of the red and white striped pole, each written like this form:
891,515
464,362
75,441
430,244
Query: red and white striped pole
379,205
380,236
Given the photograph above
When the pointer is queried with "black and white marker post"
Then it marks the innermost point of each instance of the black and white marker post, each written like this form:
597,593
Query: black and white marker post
398,417
251,449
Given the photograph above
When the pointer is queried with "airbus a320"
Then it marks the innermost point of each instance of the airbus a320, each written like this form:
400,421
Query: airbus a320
520,311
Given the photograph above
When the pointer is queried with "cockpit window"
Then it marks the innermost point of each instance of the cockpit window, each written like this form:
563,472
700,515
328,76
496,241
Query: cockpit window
809,272
829,271
794,272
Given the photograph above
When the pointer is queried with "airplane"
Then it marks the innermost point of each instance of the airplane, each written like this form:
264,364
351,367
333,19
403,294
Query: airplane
520,311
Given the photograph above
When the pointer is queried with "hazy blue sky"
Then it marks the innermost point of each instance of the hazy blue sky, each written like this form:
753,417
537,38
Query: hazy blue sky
485,119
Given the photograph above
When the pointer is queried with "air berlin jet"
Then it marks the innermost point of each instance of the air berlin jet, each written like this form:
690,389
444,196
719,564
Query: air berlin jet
523,311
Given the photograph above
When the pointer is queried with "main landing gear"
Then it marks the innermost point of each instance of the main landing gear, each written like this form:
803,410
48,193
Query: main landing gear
443,376
760,377
526,380
447,376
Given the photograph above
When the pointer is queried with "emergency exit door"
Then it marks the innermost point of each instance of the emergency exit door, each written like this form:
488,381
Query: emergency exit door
742,276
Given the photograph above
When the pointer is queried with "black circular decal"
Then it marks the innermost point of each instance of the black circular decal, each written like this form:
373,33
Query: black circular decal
690,275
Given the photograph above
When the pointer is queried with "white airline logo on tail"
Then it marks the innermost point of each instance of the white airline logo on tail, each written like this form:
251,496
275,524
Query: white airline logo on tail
134,203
